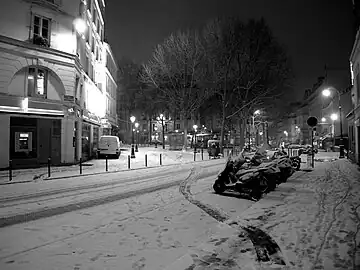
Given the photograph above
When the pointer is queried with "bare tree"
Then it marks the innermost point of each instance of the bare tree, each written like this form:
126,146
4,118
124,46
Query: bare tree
177,70
249,66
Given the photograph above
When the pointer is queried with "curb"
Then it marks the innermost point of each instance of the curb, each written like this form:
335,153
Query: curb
100,173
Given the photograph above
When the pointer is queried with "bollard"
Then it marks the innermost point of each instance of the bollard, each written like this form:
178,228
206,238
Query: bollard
145,160
106,163
160,159
129,162
49,163
202,153
10,170
80,163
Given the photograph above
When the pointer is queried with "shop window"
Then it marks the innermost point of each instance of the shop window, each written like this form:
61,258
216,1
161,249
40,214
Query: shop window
23,142
37,82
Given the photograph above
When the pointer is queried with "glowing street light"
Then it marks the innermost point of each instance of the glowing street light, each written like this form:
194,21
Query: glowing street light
334,116
323,119
132,119
80,25
257,112
327,93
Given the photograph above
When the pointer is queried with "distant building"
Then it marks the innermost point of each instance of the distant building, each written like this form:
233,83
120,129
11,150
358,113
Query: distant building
52,86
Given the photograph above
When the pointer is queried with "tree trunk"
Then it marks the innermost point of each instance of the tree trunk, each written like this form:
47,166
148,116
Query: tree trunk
222,131
242,132
185,131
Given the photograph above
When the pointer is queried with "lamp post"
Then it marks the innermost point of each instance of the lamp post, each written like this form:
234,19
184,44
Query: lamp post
155,128
257,112
162,120
137,137
132,119
333,117
195,130
327,93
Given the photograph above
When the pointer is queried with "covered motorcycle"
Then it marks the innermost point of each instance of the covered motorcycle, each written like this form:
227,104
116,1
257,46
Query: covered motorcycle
249,181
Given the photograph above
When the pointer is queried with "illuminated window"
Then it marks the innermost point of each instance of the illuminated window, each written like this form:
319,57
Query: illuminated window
41,30
37,82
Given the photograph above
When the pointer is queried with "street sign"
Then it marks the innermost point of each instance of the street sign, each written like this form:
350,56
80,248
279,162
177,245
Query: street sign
312,121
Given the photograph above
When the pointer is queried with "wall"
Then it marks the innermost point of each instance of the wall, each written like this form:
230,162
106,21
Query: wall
5,137
17,24
67,149
12,60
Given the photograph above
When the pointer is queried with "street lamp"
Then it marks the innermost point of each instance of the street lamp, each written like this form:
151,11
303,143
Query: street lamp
257,112
162,119
155,128
327,93
195,129
323,119
132,119
80,25
137,137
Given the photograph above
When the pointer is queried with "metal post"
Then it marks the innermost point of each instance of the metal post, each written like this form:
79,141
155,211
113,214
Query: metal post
80,163
10,170
160,159
312,147
106,163
132,142
202,153
128,162
163,133
49,163
145,160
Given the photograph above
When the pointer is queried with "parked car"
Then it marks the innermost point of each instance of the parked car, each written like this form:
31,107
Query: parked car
109,146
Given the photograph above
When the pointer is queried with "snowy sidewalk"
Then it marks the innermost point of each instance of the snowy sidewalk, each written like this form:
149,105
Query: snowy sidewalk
314,218
97,166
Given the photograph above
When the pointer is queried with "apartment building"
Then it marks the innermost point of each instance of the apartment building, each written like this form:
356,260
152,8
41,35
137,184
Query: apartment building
51,99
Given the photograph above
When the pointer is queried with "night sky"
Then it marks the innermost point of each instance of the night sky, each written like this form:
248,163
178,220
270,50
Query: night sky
315,32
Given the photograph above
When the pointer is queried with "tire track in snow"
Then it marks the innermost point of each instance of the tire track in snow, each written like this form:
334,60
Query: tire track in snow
267,250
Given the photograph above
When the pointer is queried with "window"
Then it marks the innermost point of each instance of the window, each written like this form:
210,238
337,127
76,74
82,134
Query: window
37,82
41,31
88,34
89,3
178,126
98,26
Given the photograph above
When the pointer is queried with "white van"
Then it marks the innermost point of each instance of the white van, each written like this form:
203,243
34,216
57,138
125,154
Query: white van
109,146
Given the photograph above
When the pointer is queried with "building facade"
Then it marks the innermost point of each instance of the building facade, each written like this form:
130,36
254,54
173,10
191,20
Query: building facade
51,98
354,115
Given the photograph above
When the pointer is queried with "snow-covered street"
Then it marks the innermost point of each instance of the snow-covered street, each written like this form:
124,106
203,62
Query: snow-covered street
143,231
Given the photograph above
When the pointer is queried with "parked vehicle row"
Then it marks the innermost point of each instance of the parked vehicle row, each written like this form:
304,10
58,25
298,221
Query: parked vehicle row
257,175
